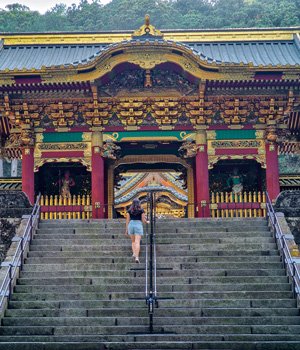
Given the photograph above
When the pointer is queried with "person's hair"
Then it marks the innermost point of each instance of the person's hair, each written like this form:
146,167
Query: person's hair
135,207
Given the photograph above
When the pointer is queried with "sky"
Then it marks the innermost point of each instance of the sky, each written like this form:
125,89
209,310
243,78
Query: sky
42,5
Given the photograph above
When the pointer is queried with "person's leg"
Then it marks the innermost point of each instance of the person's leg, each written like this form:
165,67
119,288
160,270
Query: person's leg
133,244
137,245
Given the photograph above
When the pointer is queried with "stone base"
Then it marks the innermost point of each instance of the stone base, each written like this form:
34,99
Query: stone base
14,204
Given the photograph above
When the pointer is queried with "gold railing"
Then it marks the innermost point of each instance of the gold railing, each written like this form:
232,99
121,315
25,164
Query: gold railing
57,207
244,205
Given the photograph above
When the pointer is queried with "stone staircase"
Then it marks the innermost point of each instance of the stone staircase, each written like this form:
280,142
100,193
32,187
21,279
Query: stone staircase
221,285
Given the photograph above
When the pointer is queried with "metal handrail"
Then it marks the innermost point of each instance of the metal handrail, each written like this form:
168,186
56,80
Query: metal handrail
146,254
289,263
151,291
17,261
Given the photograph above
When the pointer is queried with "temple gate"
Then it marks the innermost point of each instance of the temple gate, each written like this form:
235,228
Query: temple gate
145,102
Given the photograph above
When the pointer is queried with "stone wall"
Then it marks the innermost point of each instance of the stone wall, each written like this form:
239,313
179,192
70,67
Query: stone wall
8,229
288,202
14,204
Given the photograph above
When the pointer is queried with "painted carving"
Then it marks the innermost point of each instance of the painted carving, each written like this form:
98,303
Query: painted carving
110,150
237,144
27,137
62,146
188,149
150,81
13,141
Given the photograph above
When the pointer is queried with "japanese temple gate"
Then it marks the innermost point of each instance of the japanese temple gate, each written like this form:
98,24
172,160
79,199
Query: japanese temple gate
162,100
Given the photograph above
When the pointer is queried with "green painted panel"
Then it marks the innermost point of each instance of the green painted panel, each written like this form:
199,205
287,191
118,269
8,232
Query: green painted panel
62,137
235,134
148,135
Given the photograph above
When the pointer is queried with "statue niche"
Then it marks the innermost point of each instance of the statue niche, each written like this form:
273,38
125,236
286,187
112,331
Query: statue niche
148,83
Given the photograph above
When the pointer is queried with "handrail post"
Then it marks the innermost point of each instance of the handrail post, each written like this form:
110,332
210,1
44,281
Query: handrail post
22,252
10,281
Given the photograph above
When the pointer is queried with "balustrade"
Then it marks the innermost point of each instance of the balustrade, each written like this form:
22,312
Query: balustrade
243,205
57,207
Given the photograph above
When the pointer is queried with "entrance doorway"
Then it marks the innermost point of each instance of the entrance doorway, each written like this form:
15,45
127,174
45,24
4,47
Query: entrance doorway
133,176
171,192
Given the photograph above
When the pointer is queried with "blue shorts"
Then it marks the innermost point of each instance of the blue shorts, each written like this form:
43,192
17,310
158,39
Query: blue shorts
135,227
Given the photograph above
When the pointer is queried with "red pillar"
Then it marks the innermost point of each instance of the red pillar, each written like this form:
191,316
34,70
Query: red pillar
272,171
28,172
202,182
98,184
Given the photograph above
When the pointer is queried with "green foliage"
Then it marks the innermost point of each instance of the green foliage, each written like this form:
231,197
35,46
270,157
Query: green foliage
171,14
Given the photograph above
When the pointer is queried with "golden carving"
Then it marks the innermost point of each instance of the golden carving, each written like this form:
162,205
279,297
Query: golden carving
211,135
237,144
97,150
96,138
39,137
188,149
260,134
150,159
62,146
147,29
212,160
14,141
27,136
147,60
38,162
86,136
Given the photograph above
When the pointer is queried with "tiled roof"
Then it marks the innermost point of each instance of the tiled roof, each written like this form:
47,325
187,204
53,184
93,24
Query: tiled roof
35,57
258,53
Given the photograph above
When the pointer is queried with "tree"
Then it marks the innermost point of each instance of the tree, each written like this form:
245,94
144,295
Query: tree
171,14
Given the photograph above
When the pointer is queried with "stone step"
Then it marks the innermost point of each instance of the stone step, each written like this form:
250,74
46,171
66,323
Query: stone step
37,246
43,335
178,263
159,222
231,329
139,295
137,272
203,250
160,312
43,234
93,264
139,321
160,242
177,228
188,255
163,303
221,285
140,280
163,288
148,345
167,231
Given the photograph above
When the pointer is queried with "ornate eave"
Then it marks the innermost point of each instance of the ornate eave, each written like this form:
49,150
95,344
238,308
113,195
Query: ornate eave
147,48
